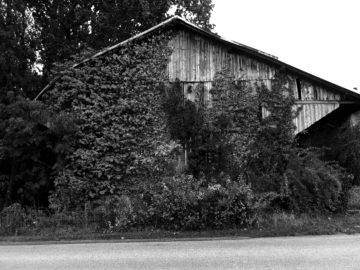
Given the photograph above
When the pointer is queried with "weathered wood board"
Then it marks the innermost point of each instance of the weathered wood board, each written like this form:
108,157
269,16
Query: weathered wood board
196,59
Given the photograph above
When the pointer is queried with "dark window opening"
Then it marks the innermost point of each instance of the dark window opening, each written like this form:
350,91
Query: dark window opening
316,96
298,86
189,89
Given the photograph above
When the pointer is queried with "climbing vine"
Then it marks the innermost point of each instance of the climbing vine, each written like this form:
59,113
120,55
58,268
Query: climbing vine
116,99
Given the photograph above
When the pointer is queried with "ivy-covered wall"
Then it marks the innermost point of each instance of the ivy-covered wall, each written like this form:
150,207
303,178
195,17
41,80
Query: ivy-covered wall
123,145
116,101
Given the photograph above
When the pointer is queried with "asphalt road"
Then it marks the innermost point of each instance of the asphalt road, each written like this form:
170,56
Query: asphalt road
321,252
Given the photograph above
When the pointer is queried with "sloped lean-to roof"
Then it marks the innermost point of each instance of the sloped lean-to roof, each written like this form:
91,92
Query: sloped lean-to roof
176,20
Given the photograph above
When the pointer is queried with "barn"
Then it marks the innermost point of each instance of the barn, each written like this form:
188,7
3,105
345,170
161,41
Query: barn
197,55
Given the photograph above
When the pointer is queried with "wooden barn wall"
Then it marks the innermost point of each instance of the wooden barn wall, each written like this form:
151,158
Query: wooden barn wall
196,59
312,112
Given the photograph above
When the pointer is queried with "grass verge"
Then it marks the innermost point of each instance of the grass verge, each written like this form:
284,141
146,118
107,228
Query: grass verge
270,225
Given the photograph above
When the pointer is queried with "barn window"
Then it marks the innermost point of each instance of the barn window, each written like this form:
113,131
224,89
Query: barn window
189,89
316,96
189,92
298,87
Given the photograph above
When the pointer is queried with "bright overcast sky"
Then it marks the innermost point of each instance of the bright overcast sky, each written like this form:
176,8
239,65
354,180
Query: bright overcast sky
321,37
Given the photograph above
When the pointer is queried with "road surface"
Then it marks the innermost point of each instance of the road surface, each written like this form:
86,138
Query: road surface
320,252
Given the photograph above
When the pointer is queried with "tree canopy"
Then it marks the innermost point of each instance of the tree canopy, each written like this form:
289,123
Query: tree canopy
18,43
36,34
67,27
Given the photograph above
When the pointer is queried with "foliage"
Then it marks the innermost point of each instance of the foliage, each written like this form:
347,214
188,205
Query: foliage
302,180
345,148
354,198
18,43
216,138
183,202
273,141
314,185
248,133
12,218
32,143
52,31
186,125
114,213
18,220
116,99
234,119
67,27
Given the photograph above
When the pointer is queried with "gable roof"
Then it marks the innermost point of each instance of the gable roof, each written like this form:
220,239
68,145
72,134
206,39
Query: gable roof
178,21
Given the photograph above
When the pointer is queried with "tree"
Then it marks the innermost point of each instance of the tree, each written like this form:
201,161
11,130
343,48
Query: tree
114,21
64,29
18,43
67,27
32,143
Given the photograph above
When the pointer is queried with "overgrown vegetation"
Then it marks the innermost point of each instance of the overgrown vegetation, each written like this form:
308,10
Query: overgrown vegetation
122,170
248,135
346,149
116,100
33,142
104,153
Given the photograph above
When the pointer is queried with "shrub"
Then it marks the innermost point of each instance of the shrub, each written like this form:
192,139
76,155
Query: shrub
113,213
182,202
354,197
313,185
12,219
346,149
33,142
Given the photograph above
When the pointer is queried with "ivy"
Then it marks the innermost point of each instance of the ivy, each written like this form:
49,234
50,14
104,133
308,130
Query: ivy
116,99
274,139
247,135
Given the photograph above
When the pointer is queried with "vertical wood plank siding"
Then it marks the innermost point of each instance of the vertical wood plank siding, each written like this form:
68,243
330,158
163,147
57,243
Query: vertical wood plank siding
196,59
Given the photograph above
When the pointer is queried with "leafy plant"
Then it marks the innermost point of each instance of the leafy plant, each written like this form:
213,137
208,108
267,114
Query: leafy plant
122,138
18,46
183,202
33,142
314,185
12,219
113,213
65,28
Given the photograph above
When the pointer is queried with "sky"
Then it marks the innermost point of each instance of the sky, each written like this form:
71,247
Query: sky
321,37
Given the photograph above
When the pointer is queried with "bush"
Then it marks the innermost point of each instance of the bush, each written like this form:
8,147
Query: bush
354,197
12,219
346,149
183,203
313,185
33,142
114,213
